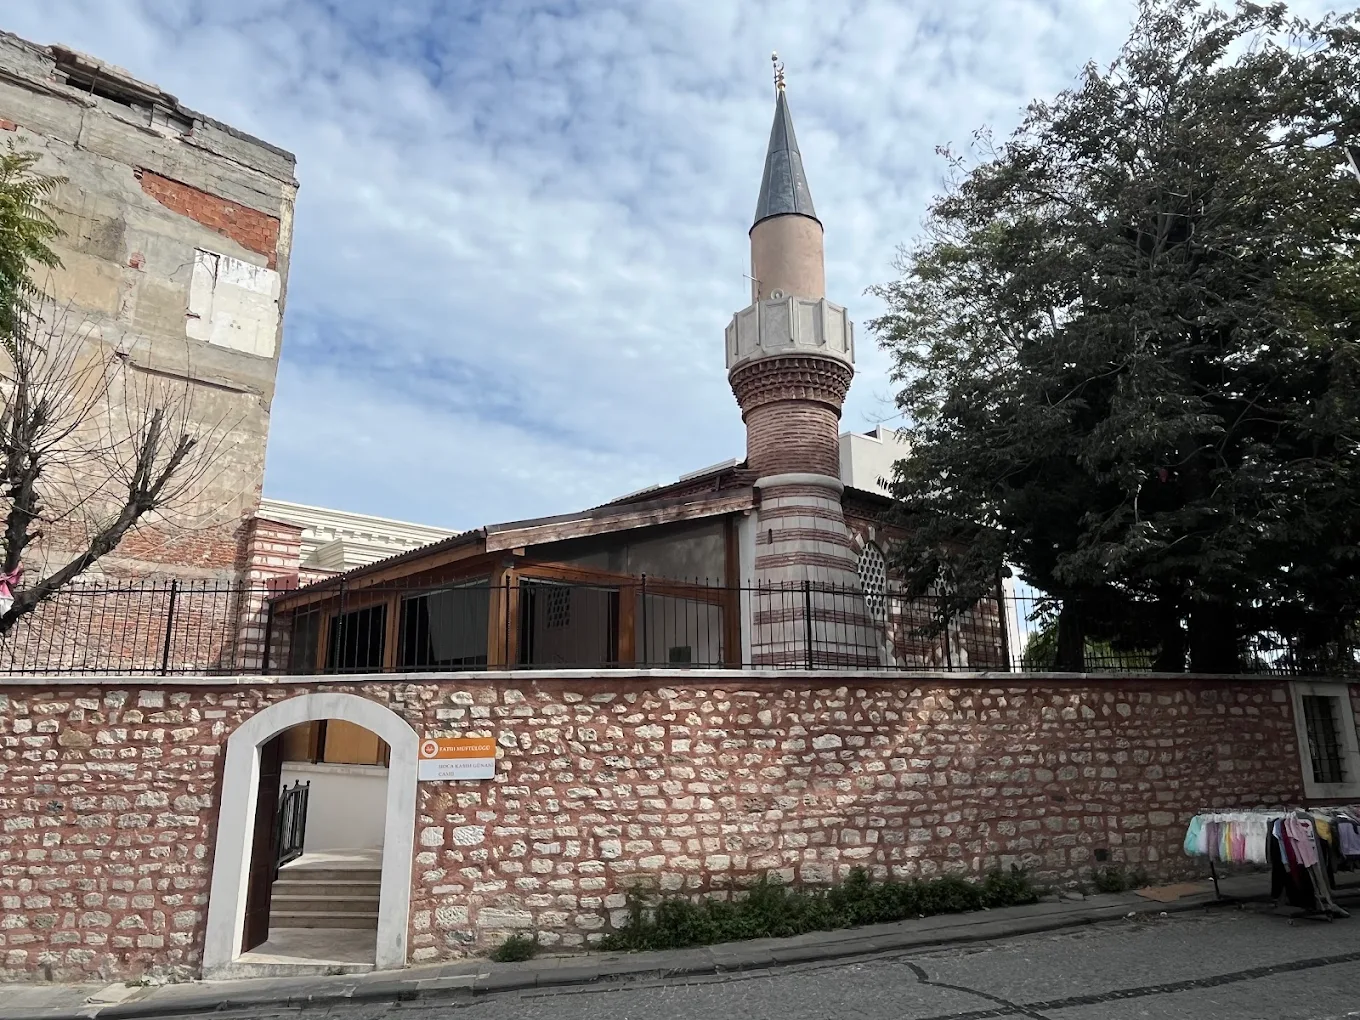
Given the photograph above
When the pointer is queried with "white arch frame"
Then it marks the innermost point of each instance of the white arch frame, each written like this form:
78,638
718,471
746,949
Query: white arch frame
236,823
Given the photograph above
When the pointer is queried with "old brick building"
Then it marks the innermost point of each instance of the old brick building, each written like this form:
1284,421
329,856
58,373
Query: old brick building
175,249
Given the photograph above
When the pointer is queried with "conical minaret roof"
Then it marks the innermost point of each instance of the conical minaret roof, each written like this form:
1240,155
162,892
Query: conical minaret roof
784,188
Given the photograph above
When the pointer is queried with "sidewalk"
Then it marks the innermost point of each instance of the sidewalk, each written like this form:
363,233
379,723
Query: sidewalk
479,976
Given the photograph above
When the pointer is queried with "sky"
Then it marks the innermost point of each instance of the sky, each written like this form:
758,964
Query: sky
522,225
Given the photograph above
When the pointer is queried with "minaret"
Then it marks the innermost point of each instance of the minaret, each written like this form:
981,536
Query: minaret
790,360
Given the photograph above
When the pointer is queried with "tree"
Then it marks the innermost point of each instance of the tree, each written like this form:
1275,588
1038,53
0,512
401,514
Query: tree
89,448
25,229
1128,346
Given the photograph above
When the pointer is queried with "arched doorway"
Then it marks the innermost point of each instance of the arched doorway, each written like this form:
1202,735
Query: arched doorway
237,822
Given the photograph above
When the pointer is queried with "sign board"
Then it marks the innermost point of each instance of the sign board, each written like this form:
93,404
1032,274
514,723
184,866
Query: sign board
457,758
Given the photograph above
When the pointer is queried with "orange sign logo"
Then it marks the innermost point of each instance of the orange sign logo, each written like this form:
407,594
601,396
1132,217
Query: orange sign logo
453,758
443,748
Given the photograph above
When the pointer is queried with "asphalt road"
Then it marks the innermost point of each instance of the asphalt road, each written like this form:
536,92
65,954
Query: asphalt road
1237,964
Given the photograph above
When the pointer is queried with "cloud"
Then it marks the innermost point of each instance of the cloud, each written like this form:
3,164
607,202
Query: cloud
522,225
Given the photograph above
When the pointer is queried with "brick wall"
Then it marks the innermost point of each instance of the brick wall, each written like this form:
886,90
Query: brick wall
790,437
247,227
977,638
108,625
791,406
108,795
134,207
273,554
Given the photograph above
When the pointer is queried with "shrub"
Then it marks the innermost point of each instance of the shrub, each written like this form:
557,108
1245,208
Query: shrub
515,949
1117,880
771,910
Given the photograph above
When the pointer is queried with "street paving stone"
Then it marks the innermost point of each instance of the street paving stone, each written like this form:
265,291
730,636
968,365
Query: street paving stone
1237,964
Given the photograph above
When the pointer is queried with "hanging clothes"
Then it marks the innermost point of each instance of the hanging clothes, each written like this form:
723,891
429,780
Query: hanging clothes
1302,849
1235,837
1348,837
1302,840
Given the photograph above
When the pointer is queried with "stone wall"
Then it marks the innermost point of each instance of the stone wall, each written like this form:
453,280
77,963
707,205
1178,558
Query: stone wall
695,784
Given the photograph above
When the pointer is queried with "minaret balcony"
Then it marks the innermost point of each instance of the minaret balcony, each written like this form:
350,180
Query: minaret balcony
783,326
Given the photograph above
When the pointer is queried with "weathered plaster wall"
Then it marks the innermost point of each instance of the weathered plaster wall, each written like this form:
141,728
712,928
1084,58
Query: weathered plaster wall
150,186
695,784
679,552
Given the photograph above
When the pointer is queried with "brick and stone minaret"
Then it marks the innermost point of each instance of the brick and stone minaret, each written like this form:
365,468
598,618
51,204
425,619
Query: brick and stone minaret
790,360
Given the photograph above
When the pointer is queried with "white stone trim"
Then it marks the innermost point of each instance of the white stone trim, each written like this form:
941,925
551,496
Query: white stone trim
236,817
799,478
746,570
783,326
1350,743
328,768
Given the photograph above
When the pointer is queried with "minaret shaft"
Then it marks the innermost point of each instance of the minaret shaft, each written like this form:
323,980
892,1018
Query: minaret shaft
787,256
790,361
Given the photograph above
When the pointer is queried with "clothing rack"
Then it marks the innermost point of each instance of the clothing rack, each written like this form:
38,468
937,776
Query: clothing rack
1213,872
1291,836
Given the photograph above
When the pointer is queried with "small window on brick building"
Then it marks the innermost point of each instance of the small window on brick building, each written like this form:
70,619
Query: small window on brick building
1324,738
233,304
873,578
1329,749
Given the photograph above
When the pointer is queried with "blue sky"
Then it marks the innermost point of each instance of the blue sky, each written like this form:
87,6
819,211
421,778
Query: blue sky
522,224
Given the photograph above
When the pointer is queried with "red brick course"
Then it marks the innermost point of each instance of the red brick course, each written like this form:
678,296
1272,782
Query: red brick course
792,407
248,227
108,795
793,436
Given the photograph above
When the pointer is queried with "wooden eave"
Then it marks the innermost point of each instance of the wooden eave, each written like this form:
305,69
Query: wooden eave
464,555
531,533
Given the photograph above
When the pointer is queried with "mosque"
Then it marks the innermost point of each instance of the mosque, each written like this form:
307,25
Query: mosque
775,559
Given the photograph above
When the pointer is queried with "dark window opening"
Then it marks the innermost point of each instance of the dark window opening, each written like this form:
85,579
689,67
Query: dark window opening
680,655
355,642
1324,738
302,638
445,629
567,624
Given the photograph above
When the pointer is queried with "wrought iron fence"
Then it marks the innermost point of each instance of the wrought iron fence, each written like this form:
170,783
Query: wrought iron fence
291,828
217,628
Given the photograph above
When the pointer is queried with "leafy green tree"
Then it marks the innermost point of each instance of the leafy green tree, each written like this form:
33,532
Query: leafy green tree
25,229
1129,346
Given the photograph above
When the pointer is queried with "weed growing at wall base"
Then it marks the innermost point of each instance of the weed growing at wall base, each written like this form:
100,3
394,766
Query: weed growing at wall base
515,949
771,910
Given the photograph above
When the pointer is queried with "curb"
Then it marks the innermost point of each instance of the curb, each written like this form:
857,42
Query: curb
706,961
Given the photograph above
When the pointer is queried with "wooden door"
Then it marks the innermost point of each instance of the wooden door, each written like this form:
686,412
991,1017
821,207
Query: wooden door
260,881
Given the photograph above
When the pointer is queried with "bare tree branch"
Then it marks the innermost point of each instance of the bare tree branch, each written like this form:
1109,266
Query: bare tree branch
86,436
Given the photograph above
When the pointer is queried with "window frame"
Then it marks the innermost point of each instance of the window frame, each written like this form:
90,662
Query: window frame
1348,741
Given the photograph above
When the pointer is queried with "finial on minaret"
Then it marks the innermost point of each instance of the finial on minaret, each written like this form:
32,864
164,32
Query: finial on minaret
778,72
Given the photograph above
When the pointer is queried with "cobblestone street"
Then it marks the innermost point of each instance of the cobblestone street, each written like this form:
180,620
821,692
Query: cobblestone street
1231,964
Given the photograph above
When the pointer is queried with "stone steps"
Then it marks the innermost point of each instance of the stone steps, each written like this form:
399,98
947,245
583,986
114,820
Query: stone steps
323,897
323,919
290,873
361,888
293,902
